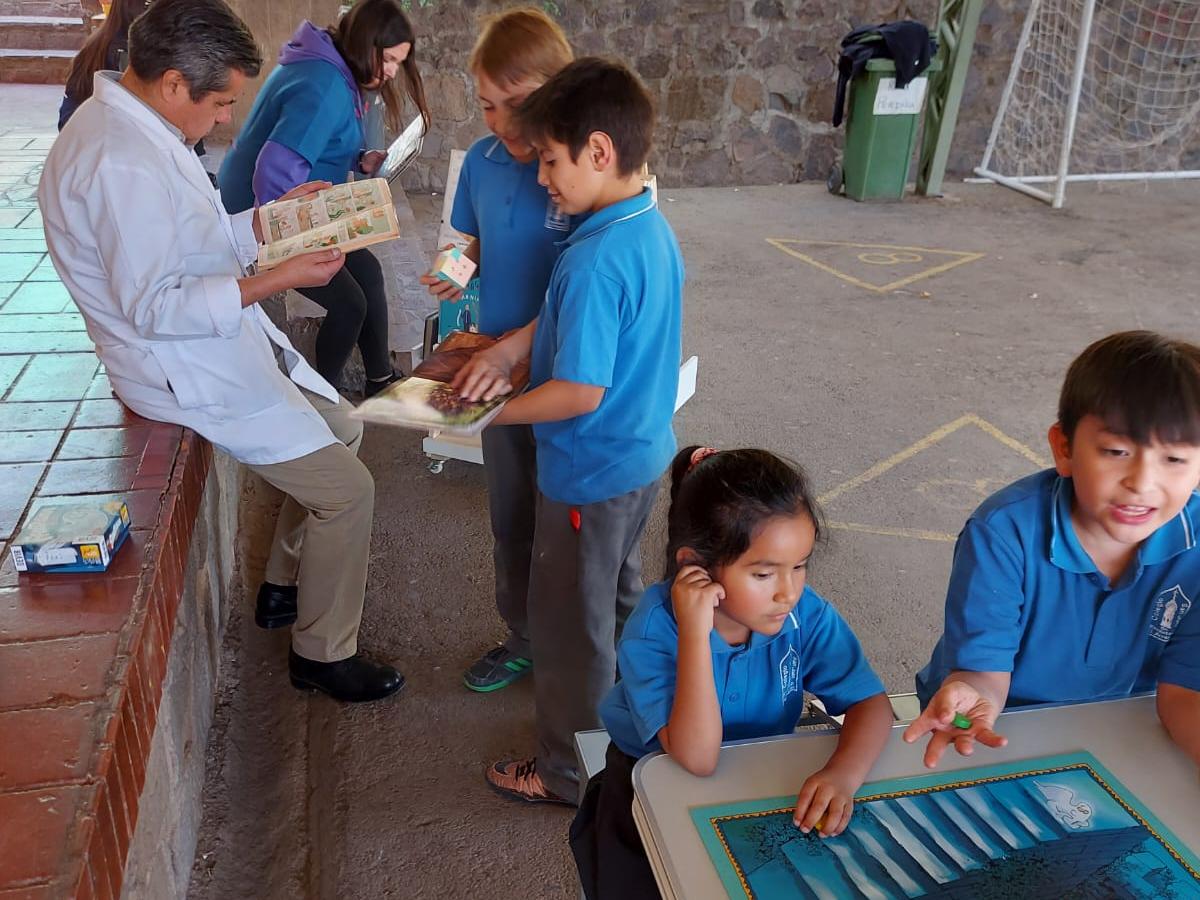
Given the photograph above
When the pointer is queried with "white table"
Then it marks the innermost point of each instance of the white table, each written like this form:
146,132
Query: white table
1124,735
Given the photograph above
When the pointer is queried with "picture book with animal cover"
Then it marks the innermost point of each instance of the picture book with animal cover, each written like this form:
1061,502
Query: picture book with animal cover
426,401
347,216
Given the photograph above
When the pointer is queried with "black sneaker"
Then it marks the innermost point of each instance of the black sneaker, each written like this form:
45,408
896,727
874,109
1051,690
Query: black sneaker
371,386
498,668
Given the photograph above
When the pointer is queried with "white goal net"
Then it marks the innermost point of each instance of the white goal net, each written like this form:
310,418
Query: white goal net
1099,90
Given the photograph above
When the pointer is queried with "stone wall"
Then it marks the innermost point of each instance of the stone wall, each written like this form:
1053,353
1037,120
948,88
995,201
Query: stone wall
159,864
744,88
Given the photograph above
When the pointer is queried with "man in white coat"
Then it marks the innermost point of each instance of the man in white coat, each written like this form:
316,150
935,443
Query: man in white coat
157,268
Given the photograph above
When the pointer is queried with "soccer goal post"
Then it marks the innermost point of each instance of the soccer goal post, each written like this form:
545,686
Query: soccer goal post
1099,90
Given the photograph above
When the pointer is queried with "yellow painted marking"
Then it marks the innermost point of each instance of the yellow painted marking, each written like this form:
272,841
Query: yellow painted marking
890,259
909,452
893,255
919,533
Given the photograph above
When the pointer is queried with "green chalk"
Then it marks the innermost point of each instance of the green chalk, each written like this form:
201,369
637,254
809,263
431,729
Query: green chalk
961,721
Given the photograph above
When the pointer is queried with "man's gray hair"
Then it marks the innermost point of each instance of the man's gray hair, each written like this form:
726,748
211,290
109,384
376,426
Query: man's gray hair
202,39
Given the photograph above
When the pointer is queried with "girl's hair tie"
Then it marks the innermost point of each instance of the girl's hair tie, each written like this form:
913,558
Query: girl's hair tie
699,454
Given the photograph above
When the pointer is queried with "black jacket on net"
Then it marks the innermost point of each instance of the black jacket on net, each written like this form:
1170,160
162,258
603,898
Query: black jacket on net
907,43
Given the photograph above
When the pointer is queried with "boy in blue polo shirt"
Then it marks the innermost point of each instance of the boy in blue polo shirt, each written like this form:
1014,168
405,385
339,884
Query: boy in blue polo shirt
604,370
516,230
1075,584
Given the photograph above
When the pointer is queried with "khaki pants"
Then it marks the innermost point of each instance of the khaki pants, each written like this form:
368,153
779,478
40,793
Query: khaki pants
323,536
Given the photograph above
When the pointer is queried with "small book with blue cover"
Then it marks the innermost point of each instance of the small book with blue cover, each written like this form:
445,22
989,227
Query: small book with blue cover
461,314
71,534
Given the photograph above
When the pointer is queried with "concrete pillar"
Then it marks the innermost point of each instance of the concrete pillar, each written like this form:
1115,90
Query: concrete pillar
272,22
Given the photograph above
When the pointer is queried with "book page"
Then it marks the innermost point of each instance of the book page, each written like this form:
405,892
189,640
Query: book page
426,404
286,219
403,150
351,230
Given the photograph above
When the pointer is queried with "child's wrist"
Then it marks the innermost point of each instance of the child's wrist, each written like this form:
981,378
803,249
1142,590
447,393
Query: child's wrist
692,630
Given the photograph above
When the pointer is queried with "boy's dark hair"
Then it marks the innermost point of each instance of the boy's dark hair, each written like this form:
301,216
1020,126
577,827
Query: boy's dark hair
1142,385
589,95
202,39
719,503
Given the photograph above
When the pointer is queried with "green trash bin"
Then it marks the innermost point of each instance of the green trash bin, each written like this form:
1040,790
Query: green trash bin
880,141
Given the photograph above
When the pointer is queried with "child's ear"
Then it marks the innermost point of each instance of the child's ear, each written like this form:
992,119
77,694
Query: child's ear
1060,446
686,556
600,151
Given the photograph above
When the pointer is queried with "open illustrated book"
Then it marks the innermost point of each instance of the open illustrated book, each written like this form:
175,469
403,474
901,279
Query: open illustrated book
347,216
403,150
428,403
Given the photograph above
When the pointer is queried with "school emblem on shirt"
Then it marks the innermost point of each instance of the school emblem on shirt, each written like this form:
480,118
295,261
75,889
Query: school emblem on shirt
1169,607
556,219
789,674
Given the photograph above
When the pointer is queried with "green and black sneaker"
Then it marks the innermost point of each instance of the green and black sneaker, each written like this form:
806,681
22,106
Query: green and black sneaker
498,668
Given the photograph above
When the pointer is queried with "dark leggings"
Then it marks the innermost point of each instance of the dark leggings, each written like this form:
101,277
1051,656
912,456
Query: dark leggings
604,838
356,312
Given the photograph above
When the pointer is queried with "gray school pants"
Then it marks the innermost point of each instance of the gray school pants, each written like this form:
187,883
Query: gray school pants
583,585
510,466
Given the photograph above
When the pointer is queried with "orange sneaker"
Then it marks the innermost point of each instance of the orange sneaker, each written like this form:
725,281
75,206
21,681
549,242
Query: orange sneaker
519,779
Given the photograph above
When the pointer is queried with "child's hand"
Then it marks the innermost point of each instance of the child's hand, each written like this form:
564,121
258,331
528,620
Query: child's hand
694,596
953,699
486,375
442,290
371,161
825,802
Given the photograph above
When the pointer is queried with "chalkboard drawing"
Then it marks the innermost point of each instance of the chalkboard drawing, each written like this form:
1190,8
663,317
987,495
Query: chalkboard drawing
1058,827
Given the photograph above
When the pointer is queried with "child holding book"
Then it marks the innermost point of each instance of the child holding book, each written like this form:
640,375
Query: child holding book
605,355
307,124
515,230
1077,583
725,649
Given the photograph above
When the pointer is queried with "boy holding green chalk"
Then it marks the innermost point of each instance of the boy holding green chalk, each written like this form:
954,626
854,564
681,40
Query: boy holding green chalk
1077,583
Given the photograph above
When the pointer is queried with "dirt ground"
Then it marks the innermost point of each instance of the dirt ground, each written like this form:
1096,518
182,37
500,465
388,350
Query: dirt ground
911,379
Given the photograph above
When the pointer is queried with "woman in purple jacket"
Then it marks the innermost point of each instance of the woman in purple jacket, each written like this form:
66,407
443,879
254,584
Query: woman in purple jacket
307,125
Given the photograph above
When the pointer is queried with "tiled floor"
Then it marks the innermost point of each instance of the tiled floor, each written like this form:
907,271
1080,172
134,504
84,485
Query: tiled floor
74,728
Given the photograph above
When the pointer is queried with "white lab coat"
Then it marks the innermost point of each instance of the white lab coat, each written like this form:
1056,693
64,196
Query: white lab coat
140,239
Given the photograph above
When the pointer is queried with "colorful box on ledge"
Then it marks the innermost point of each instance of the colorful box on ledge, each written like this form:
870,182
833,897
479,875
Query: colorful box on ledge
76,534
454,266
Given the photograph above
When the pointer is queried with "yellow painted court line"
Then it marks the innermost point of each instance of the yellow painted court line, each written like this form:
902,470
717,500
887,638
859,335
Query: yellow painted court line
963,257
918,533
925,443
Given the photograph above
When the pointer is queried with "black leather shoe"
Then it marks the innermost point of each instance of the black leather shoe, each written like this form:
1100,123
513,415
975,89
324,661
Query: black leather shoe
276,605
353,680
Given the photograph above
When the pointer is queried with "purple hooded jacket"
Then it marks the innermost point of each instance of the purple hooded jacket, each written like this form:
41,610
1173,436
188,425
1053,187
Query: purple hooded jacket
278,168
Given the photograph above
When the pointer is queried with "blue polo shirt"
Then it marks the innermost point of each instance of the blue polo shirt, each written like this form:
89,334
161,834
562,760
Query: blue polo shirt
760,684
612,318
1026,598
519,227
